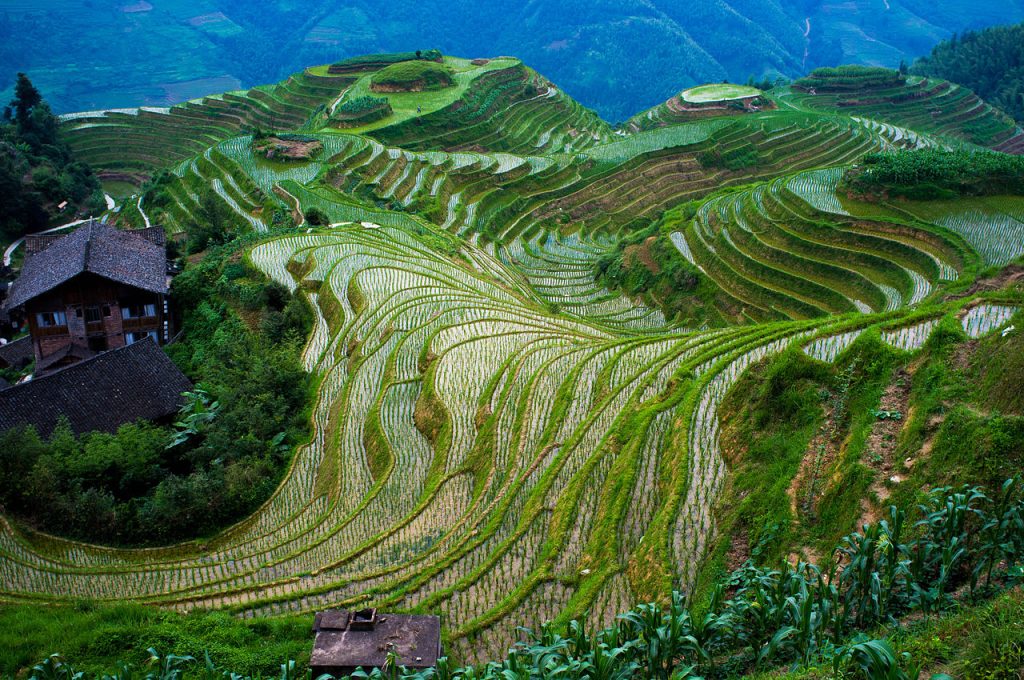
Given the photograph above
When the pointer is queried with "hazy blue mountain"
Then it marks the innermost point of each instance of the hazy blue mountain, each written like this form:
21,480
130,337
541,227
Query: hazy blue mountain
618,56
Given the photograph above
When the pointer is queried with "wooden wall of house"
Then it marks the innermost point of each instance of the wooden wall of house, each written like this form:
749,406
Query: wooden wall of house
75,297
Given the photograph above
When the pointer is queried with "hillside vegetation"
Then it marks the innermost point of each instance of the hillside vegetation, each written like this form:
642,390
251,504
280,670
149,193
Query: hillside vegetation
925,105
933,173
990,62
412,76
563,369
40,180
225,455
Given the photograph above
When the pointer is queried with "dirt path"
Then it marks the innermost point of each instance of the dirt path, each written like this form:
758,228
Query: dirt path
297,215
880,448
807,44
337,102
145,217
807,486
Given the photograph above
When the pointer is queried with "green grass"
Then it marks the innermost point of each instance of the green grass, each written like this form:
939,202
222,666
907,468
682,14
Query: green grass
718,92
94,637
418,75
408,105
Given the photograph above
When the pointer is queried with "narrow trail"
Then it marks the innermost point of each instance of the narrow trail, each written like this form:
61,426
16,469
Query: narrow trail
807,45
334,106
297,215
145,217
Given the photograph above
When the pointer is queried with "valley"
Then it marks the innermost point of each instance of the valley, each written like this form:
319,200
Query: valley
537,338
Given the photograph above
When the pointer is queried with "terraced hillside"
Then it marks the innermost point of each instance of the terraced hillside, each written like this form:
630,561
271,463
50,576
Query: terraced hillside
495,432
789,247
498,105
135,142
927,105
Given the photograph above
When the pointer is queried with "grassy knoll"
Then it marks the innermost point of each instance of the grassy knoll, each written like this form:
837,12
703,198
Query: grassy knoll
408,105
412,76
850,78
718,92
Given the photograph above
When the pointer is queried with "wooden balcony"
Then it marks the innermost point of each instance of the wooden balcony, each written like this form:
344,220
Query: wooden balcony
142,323
50,331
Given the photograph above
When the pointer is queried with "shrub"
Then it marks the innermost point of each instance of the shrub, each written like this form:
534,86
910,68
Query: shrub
934,173
412,76
743,156
850,77
362,104
316,217
389,58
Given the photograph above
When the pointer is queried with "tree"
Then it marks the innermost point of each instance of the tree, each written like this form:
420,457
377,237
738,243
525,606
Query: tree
37,168
316,217
212,225
26,98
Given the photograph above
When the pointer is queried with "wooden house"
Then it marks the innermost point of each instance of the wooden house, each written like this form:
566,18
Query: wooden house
96,289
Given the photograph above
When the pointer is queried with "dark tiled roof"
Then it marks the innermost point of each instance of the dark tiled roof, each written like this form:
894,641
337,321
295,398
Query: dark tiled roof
18,353
37,243
4,384
117,387
73,351
122,256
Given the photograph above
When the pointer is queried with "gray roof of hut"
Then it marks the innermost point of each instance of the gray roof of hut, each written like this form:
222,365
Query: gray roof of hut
18,353
136,382
132,258
341,644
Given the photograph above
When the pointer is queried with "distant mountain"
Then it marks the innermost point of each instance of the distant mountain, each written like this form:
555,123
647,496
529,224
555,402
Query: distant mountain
990,62
616,56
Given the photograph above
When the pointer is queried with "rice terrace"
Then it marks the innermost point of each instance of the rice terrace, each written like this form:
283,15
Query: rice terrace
540,343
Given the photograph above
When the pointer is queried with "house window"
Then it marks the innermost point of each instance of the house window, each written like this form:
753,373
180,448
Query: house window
92,315
50,319
138,311
140,335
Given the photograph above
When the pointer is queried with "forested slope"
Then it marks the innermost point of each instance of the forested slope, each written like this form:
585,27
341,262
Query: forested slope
990,62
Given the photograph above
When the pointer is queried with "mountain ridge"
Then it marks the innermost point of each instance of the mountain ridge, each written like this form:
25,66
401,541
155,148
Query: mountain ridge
615,57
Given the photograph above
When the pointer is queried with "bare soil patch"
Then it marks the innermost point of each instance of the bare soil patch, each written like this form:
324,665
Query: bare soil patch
1012,276
275,148
822,451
